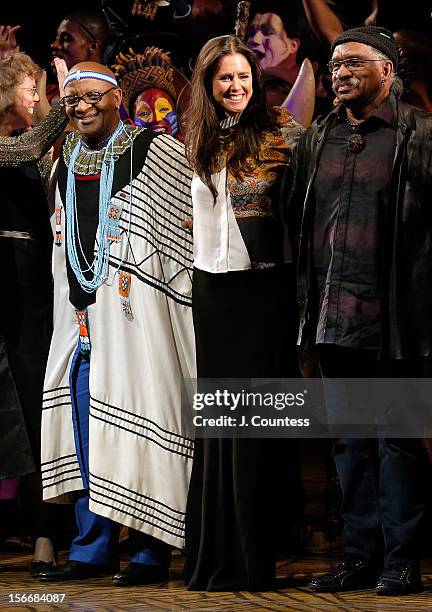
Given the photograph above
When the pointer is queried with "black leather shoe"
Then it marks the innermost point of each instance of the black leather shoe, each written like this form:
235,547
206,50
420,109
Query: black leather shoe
353,573
74,570
137,573
36,567
399,579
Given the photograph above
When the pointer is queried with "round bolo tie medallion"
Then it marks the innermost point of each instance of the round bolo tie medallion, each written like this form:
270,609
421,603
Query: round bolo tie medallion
356,143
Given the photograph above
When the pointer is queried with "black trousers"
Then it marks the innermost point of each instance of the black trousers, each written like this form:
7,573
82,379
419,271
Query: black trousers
382,480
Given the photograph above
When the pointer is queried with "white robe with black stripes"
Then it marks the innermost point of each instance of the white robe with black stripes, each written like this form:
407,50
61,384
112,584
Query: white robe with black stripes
139,461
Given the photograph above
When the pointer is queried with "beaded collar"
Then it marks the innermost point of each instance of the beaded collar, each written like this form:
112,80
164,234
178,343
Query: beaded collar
89,161
90,275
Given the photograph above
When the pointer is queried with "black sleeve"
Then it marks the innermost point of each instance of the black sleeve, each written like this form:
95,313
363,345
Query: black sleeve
293,193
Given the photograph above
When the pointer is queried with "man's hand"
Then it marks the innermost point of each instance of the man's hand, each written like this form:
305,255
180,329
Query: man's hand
7,38
61,71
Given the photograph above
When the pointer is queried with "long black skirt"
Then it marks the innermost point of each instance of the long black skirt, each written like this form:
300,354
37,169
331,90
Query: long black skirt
25,332
238,508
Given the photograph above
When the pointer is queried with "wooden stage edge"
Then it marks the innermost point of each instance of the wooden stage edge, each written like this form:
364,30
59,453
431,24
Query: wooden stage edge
292,594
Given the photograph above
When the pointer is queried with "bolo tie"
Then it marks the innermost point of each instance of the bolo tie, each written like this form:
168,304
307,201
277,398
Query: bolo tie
356,142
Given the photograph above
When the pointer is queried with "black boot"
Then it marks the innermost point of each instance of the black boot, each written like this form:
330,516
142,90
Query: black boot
399,579
353,573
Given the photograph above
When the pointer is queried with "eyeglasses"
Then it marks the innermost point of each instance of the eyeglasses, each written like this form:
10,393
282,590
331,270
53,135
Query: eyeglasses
353,63
32,89
91,97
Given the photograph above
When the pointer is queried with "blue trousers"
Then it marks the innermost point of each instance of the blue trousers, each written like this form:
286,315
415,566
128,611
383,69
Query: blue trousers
97,539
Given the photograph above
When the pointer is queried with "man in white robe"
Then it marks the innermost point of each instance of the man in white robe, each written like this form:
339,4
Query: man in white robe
123,337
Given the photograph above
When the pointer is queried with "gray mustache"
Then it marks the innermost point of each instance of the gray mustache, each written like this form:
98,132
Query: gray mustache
352,81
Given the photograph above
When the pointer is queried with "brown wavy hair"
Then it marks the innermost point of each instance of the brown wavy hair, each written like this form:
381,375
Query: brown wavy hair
201,122
14,67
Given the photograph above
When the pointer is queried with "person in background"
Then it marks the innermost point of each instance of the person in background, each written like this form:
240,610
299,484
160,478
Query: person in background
9,46
275,45
155,92
278,42
414,48
83,35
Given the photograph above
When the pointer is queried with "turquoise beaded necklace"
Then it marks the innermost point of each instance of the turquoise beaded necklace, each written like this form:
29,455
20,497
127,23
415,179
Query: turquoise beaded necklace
108,229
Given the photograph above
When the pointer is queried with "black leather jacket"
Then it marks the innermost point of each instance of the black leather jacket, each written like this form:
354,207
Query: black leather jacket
406,299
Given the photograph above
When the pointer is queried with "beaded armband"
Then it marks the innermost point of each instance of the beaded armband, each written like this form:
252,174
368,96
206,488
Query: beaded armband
125,281
58,232
84,332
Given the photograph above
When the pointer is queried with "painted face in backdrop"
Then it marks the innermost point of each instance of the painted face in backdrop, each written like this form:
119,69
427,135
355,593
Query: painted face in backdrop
154,109
269,40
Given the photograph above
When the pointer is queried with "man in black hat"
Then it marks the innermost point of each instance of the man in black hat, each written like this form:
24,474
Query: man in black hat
363,177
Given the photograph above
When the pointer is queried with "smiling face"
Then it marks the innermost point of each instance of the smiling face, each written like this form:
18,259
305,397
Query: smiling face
94,121
232,83
151,108
269,40
71,44
359,87
24,102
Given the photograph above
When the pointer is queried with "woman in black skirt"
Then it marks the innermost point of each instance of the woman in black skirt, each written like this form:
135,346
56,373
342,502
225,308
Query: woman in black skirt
244,314
25,285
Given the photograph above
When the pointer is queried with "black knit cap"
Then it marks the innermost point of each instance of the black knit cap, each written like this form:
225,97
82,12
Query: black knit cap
378,38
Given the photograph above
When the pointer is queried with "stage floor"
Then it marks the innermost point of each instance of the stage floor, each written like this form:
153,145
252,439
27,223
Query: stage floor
292,594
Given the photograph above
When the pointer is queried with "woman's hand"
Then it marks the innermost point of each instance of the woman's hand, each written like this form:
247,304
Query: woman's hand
61,70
